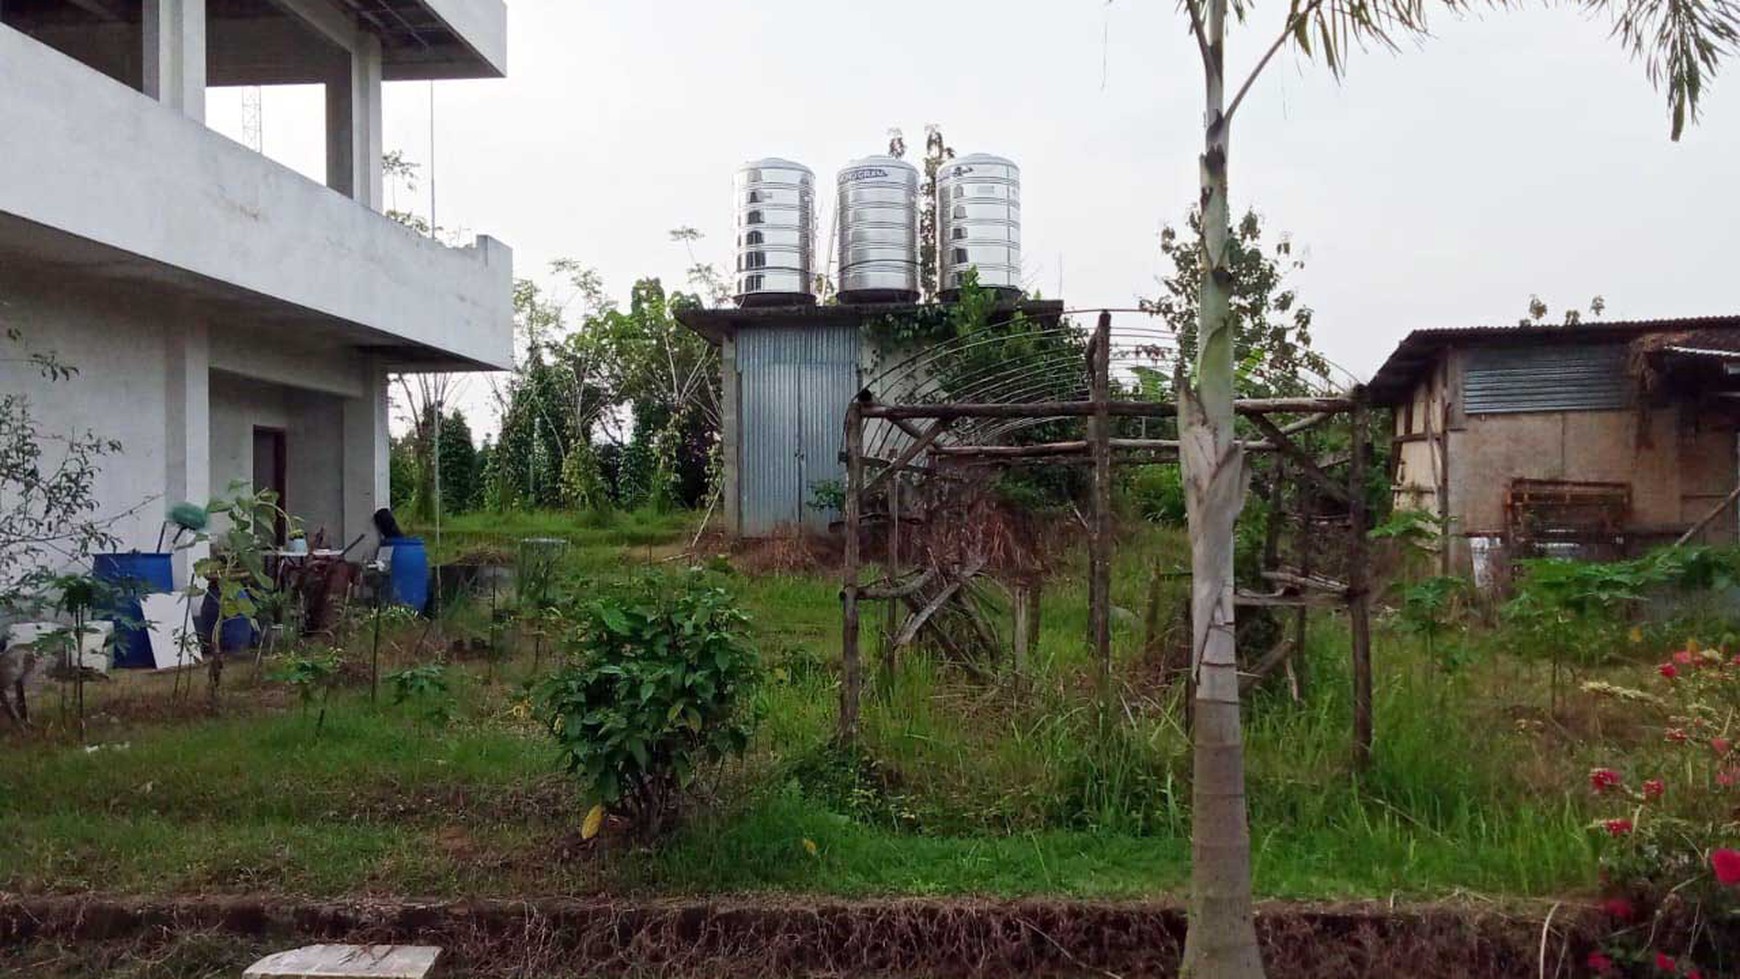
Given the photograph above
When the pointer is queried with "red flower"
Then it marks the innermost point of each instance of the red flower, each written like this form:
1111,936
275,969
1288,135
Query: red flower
1694,974
1668,670
1654,789
1683,657
1620,827
1602,779
1599,964
1728,777
1720,745
1726,864
1665,962
1675,735
1619,909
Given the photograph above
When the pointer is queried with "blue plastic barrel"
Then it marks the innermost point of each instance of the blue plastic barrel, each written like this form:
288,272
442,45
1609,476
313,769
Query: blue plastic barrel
408,577
133,575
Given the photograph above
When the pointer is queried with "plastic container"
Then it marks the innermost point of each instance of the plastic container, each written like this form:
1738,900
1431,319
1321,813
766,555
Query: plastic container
134,574
408,574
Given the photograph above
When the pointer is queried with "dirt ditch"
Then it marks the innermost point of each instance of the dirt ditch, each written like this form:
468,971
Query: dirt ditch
936,939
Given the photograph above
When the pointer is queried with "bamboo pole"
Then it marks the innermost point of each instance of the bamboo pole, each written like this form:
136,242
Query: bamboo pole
1082,409
851,669
1359,587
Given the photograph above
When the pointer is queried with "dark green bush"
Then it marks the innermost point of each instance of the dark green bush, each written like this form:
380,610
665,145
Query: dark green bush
659,686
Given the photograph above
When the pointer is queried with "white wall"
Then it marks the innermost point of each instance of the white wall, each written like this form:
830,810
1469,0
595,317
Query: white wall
91,157
313,425
116,341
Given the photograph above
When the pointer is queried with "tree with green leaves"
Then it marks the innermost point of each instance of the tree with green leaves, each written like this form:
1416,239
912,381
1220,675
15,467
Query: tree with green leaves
1680,42
1272,348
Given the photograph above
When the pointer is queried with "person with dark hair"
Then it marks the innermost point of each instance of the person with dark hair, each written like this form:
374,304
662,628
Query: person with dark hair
386,526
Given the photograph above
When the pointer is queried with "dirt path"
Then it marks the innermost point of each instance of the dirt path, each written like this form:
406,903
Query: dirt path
762,937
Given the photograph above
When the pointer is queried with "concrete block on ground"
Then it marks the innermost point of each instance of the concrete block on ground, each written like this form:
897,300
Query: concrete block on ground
348,962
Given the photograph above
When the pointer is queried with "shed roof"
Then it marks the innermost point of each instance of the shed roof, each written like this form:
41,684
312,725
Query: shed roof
1420,349
715,324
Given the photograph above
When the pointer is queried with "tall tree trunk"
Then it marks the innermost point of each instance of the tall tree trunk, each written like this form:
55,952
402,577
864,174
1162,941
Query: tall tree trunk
1222,940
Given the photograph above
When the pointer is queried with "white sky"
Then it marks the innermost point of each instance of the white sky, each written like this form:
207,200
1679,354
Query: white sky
1514,153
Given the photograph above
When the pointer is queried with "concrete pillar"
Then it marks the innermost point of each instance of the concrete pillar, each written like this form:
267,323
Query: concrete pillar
174,55
365,454
187,424
353,125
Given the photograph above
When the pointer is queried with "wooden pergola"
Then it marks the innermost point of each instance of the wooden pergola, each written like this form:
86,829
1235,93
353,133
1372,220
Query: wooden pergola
932,445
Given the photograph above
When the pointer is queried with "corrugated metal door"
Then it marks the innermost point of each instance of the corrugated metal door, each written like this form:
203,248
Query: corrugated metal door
1557,377
795,385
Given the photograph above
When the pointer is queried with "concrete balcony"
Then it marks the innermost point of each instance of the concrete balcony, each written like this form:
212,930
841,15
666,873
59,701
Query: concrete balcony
99,176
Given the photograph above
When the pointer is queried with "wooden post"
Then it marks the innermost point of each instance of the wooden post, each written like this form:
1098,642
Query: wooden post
851,669
1359,585
1020,632
892,573
1299,664
1100,538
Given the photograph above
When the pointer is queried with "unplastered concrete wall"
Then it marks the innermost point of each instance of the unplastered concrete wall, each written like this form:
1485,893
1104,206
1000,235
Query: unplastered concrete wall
116,342
313,427
94,158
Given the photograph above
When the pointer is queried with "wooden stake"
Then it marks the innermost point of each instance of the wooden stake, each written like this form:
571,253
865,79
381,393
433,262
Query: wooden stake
851,669
1100,539
1359,587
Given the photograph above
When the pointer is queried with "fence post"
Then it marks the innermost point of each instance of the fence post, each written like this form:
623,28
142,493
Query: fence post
1100,536
1359,584
851,666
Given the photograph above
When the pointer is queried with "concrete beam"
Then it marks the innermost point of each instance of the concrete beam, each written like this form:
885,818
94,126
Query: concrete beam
174,64
328,18
106,9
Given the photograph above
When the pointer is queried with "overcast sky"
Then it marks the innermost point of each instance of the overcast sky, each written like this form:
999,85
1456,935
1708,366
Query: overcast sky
1513,153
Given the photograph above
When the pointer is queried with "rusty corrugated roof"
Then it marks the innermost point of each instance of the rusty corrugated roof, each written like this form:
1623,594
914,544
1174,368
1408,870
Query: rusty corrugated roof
1421,348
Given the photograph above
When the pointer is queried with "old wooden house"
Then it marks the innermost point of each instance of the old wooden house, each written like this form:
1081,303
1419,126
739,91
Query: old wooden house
1597,439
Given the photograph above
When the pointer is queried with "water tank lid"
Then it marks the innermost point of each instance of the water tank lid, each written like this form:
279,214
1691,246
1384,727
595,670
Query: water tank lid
775,161
879,160
985,158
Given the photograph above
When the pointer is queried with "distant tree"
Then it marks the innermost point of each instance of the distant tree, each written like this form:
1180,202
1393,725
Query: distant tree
1538,312
937,152
1272,350
460,484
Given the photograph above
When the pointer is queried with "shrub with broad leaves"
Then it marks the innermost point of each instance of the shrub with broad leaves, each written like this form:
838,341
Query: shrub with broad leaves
658,687
1669,842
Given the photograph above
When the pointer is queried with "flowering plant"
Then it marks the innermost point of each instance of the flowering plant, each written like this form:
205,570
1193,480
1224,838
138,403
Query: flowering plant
1668,836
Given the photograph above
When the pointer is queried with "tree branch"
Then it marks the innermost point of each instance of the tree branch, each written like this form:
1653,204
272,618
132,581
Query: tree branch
1197,30
1292,25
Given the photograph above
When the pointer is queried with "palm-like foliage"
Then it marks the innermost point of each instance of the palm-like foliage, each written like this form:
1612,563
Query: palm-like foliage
1680,43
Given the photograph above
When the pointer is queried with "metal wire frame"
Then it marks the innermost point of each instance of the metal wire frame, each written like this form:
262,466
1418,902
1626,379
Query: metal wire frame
1054,372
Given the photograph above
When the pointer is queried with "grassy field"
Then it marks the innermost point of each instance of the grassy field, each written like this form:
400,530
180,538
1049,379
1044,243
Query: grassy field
992,788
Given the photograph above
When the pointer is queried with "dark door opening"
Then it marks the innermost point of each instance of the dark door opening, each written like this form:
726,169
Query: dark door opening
269,471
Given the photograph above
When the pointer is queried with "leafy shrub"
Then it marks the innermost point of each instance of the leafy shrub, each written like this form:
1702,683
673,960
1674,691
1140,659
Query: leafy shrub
1157,494
426,687
660,684
1666,843
313,675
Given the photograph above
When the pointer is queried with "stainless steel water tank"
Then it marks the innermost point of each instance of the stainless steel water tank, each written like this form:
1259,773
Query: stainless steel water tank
878,209
775,202
979,223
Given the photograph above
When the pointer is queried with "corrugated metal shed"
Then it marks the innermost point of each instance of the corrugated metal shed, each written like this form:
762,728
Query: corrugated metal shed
795,384
1396,379
1587,377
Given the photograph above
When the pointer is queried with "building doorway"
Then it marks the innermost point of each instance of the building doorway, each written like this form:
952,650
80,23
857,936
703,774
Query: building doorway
270,453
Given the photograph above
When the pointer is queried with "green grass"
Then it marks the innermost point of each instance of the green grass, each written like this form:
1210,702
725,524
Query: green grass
999,789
